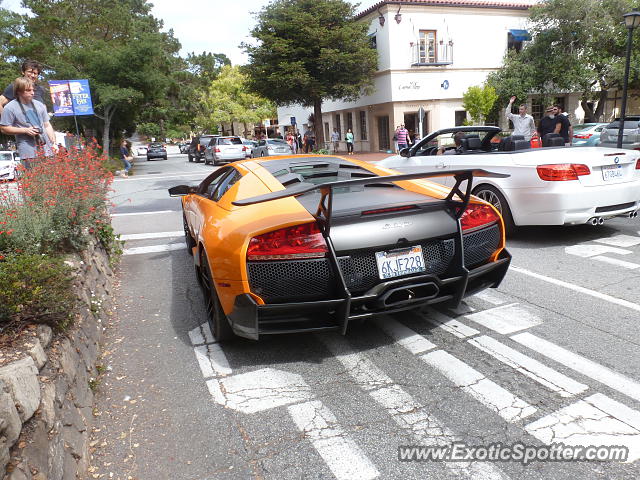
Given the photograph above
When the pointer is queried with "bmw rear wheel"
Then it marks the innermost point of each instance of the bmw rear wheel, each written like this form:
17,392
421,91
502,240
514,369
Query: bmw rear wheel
491,195
218,321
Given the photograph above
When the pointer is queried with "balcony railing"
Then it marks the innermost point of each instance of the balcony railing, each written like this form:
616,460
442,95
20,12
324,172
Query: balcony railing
443,55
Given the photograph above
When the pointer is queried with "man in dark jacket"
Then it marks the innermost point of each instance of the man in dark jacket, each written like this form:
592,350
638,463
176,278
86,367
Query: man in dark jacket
566,130
549,123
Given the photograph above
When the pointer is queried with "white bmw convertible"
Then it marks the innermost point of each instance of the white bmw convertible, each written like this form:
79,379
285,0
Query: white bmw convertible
546,186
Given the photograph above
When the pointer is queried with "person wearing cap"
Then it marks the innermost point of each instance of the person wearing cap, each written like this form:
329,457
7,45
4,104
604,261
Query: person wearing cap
549,123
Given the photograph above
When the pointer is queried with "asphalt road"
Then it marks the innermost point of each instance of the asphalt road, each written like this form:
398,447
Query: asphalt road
551,356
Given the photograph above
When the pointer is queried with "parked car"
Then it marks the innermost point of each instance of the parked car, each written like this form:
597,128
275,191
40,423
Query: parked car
183,146
545,186
156,150
224,150
271,146
141,150
195,151
587,134
8,165
630,133
250,144
285,260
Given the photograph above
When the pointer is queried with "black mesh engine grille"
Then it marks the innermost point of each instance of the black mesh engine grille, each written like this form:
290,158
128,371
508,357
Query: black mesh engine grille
480,245
312,279
305,280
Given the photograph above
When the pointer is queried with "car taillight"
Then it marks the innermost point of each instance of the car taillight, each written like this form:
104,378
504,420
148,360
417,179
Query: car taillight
562,172
244,149
217,150
290,243
638,164
583,135
478,215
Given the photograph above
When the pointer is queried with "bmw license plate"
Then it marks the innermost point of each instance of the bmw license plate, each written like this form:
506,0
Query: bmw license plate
403,261
611,172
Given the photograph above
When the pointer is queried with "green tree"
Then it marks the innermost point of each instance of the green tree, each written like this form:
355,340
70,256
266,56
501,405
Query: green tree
576,47
479,101
117,45
228,99
310,50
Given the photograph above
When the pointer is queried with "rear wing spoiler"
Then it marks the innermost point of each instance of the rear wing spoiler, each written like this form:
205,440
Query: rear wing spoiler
323,214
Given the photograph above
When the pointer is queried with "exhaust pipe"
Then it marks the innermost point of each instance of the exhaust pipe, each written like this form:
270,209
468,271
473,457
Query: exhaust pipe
633,214
600,221
593,221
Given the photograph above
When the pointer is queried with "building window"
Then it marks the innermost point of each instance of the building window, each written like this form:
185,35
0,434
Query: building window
427,47
461,117
373,41
350,121
326,131
337,124
363,125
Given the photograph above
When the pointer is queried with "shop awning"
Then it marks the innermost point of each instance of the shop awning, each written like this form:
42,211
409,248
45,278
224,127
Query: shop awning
520,35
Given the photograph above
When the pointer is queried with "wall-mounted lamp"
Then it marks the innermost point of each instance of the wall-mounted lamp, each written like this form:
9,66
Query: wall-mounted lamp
398,16
381,18
451,43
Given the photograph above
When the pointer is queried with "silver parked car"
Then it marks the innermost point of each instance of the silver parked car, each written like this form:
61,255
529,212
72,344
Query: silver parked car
224,150
250,144
630,133
271,146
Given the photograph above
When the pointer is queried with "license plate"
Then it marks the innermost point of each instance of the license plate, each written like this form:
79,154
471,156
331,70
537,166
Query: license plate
611,172
396,263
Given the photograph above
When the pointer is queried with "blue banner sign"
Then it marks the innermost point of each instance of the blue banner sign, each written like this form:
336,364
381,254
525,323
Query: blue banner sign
71,97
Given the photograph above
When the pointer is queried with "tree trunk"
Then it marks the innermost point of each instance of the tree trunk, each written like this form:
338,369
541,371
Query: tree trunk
602,100
588,111
109,110
317,122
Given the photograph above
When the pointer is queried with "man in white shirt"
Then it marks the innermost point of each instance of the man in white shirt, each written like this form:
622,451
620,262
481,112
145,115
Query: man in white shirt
335,139
523,123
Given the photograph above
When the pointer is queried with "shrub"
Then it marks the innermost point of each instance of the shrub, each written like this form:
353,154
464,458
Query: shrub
35,289
57,202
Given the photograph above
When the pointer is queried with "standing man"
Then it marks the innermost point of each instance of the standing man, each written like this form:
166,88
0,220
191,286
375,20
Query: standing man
566,130
549,123
335,139
523,123
31,70
28,120
403,137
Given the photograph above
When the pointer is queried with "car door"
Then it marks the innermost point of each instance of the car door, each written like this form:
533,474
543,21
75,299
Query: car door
260,149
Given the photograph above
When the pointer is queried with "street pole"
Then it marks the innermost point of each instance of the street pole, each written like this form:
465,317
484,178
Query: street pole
624,87
631,21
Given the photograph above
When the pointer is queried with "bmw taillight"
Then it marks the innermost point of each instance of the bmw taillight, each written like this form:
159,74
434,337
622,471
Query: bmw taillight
290,243
638,164
584,136
217,150
478,215
562,172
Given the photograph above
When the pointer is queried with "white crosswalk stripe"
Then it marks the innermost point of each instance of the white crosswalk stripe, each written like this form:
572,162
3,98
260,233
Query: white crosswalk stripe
401,406
151,235
580,364
489,393
622,241
404,336
154,249
617,262
596,420
539,372
506,319
341,454
449,325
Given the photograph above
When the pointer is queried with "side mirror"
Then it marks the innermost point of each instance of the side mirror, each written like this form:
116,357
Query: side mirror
405,152
181,190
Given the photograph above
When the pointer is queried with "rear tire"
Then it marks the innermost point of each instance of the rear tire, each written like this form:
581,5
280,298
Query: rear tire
218,321
190,157
493,196
187,236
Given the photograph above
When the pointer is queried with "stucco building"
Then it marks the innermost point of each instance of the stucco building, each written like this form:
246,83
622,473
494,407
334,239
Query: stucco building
429,53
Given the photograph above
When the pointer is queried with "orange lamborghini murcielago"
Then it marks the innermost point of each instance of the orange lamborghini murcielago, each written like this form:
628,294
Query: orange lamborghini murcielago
309,243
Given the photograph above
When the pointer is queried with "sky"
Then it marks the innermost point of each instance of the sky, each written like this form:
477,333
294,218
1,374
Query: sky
217,26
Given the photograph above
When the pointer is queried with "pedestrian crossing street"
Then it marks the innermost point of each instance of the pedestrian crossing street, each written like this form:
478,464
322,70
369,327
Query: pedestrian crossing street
573,403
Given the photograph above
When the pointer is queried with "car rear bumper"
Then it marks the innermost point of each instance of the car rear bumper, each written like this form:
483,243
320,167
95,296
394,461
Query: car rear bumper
157,154
565,204
251,320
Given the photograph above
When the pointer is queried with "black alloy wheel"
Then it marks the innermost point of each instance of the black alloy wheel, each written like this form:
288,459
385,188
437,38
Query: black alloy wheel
218,321
491,195
188,239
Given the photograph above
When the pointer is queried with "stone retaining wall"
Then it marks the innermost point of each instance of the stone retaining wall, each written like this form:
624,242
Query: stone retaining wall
46,397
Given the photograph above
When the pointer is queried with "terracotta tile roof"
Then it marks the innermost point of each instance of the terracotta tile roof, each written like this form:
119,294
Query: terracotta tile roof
506,4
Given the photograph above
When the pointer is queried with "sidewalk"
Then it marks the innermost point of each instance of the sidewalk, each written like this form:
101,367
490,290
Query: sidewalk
366,156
